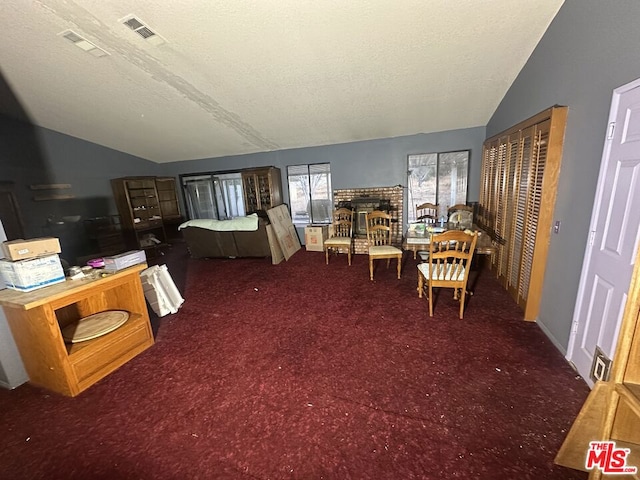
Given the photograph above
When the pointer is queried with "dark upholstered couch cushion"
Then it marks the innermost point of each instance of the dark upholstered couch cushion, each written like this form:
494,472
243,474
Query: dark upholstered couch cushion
209,243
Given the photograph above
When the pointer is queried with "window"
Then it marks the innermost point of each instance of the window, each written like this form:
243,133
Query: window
214,196
310,193
439,178
199,196
229,195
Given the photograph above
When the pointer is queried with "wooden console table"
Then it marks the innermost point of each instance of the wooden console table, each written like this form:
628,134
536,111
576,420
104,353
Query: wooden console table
36,319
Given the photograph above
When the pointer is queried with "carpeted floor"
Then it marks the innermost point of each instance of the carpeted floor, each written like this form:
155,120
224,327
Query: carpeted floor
308,371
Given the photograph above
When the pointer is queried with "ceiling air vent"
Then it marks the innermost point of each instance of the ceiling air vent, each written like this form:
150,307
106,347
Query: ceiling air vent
143,30
83,43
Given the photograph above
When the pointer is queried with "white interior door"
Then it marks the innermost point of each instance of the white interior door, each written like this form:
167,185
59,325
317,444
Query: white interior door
613,239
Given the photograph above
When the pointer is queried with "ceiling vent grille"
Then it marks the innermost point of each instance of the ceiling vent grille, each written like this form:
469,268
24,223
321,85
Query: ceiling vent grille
143,30
83,43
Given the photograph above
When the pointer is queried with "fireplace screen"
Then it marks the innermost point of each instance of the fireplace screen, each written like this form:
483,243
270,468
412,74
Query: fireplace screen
362,206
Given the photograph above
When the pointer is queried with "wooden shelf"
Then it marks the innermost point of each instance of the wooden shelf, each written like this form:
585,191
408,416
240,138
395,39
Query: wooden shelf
36,319
58,295
150,225
78,351
145,204
154,246
103,355
168,196
262,189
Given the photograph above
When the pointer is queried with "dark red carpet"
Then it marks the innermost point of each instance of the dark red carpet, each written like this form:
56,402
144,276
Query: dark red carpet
308,371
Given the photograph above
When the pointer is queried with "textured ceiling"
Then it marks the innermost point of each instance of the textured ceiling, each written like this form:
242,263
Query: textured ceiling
239,76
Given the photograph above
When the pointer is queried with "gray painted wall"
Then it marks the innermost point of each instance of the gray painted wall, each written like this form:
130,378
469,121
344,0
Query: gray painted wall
590,48
372,163
34,155
12,372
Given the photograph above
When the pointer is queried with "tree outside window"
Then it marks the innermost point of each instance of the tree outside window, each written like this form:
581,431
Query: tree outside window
310,193
439,178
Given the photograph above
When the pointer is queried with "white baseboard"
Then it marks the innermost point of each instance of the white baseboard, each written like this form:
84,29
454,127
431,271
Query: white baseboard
553,339
8,385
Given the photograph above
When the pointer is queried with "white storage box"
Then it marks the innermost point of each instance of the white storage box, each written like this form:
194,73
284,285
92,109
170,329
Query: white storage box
124,260
160,290
33,273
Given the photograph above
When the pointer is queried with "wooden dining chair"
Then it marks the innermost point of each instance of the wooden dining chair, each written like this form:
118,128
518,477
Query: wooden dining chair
460,216
427,213
379,240
460,206
342,236
450,255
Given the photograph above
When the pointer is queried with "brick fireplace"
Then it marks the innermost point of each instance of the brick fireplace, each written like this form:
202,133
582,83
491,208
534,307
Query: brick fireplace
362,200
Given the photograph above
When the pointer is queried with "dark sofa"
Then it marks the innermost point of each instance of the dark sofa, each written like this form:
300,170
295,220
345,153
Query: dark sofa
203,242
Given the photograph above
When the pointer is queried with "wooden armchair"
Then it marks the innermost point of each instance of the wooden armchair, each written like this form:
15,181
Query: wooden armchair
379,240
342,233
450,255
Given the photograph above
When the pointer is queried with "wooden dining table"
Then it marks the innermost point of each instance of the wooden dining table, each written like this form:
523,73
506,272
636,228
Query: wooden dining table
417,241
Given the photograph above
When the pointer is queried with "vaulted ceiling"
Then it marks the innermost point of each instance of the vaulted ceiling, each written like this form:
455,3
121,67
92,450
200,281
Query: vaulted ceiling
214,78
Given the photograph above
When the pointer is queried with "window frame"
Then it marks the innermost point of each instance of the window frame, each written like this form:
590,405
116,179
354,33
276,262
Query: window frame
311,217
411,203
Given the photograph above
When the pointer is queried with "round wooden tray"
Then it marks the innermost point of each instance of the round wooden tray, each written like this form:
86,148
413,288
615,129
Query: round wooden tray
94,326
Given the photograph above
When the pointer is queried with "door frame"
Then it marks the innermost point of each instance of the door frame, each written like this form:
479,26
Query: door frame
16,226
597,205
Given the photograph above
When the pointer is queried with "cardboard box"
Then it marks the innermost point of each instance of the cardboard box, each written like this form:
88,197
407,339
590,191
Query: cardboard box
276,252
286,234
124,260
314,237
32,273
35,247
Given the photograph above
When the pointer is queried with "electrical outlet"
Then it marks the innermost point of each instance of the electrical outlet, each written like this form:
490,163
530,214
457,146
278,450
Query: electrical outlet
600,366
556,226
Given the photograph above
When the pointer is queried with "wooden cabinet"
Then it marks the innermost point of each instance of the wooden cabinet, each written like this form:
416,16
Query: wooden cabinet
169,206
612,410
519,178
168,197
36,319
138,204
262,188
104,235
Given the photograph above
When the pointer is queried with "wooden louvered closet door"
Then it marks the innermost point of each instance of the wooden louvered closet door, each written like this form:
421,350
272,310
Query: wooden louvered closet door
518,220
501,200
520,169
